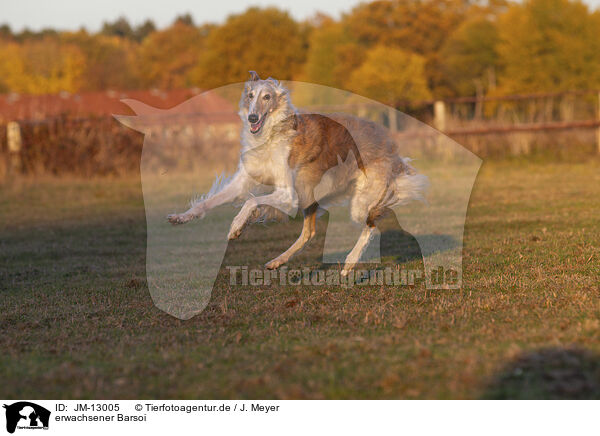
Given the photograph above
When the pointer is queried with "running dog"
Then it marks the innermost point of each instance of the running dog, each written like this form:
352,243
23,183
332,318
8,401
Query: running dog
311,161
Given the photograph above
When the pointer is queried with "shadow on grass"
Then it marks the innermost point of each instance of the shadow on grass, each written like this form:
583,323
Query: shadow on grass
399,247
402,246
260,243
550,373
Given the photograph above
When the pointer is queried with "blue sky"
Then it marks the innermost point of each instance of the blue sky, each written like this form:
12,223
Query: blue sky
72,14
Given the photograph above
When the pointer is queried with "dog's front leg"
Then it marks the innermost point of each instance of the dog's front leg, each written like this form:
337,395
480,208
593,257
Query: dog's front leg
241,219
281,199
236,188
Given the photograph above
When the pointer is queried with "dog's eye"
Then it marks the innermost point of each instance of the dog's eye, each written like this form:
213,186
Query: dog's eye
267,97
251,96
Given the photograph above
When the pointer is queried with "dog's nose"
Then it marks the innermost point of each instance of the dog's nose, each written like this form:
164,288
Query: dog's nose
253,118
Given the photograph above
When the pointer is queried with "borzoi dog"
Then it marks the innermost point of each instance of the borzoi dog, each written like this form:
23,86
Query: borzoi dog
312,161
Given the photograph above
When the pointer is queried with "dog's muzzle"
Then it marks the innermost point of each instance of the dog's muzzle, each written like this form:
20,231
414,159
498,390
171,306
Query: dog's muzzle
255,122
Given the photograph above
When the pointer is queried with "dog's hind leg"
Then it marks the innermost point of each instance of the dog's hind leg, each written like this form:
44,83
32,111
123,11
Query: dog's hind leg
365,208
359,248
308,232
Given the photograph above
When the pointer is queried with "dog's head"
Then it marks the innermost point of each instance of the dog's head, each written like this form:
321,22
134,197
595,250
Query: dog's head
260,100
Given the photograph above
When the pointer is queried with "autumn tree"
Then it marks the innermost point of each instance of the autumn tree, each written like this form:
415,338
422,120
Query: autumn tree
108,61
166,57
323,60
469,58
11,68
417,26
120,27
186,19
268,41
421,27
5,31
549,45
143,30
392,76
42,66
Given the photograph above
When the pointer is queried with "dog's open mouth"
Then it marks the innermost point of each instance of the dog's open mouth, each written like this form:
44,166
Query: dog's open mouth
255,127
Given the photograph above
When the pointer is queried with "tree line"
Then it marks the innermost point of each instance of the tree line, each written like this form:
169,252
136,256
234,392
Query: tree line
398,52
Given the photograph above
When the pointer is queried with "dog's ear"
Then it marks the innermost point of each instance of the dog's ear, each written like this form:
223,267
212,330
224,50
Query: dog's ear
253,76
273,81
280,90
282,93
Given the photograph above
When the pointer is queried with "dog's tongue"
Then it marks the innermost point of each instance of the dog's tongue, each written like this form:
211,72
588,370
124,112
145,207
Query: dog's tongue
256,126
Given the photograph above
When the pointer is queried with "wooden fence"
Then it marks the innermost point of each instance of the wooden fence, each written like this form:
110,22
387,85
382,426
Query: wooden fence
489,126
479,124
513,124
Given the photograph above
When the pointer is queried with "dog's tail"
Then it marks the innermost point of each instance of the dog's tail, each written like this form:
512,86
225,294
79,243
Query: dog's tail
407,185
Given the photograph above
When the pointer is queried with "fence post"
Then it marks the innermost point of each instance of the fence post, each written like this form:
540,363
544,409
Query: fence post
478,100
14,140
362,111
392,119
598,128
439,115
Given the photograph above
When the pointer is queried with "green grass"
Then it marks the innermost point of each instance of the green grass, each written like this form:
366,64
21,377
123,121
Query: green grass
77,320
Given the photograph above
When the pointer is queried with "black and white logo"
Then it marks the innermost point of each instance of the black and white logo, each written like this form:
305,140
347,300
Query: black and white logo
26,415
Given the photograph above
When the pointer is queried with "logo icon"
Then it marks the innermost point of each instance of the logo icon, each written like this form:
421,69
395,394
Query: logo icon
26,415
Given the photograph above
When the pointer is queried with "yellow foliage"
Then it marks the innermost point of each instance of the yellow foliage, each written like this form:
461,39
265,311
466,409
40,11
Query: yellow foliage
42,67
166,57
267,41
468,59
321,59
549,45
109,62
390,50
392,76
12,69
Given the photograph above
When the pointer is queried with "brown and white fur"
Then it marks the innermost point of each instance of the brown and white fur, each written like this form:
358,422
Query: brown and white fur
312,161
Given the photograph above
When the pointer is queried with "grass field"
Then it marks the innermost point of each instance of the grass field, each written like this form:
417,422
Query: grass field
77,320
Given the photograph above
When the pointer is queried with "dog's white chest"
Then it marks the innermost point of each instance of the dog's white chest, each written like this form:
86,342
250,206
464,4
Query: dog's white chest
268,164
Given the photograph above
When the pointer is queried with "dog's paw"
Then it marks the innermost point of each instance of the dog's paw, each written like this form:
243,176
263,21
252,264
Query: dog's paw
237,227
179,218
234,234
344,272
275,263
